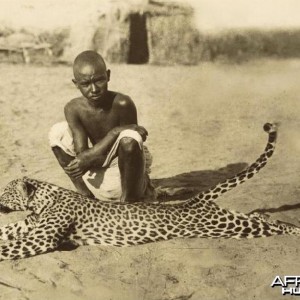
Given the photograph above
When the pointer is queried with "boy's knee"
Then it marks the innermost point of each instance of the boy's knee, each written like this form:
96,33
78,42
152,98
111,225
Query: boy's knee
129,146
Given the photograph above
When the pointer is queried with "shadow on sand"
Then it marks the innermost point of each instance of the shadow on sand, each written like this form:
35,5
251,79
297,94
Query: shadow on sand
186,185
277,209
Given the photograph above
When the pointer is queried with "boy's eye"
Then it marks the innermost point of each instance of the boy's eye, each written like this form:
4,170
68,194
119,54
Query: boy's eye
94,81
99,80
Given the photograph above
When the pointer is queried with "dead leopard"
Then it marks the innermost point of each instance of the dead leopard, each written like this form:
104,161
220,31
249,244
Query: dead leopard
58,214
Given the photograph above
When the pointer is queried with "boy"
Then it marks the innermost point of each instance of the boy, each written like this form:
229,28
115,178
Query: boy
115,166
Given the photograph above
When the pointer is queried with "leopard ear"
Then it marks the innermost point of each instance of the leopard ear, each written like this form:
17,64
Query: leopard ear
30,188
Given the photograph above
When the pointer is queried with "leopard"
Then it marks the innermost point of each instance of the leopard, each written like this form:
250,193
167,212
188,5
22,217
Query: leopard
57,215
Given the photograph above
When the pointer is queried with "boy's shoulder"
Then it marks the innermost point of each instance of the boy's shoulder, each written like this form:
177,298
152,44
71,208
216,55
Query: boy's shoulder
74,105
122,100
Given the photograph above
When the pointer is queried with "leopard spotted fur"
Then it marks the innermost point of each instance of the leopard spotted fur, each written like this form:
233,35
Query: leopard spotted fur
58,214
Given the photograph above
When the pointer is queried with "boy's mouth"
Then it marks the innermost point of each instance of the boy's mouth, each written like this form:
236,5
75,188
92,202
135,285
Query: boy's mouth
96,97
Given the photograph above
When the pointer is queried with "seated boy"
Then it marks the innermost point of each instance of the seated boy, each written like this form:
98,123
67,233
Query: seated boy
116,165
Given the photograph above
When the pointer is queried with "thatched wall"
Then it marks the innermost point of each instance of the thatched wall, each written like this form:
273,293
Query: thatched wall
111,37
172,40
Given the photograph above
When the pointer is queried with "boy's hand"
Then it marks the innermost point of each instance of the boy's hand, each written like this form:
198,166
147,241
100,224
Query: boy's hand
142,131
77,167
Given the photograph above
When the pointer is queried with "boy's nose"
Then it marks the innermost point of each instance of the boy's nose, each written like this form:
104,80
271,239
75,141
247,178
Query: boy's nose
94,87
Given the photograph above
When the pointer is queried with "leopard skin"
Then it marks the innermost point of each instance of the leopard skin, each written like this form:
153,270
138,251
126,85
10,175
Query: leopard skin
58,214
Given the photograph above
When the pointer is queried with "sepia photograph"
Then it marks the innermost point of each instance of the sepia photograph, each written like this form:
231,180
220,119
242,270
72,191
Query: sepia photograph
149,149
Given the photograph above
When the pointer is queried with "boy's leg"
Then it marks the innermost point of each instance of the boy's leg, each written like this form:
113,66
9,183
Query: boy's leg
131,165
64,159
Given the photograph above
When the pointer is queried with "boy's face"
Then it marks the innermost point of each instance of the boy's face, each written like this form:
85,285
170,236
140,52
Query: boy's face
92,81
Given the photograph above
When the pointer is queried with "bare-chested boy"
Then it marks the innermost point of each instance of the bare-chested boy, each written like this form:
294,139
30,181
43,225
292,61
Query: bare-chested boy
108,121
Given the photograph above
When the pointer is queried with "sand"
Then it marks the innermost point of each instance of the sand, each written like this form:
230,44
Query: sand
205,123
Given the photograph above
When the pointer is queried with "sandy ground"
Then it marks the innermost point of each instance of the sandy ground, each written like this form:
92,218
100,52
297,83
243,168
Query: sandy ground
204,124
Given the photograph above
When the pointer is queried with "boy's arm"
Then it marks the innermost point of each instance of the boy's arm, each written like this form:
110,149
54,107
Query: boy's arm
126,111
79,135
127,115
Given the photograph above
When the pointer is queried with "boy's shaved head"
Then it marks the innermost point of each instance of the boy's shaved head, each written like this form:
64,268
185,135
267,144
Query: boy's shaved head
91,77
86,59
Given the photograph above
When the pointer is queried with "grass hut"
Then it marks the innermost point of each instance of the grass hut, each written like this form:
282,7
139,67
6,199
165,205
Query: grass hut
147,32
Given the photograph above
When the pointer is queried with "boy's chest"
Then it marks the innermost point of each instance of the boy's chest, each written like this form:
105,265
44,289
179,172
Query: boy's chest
99,123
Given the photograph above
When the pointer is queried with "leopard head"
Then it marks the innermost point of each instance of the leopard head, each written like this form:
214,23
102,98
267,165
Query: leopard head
16,195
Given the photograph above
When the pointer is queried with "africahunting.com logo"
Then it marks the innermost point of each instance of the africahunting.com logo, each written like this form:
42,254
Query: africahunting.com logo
289,284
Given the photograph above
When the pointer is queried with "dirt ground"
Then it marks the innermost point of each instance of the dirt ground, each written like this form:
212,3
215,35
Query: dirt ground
205,123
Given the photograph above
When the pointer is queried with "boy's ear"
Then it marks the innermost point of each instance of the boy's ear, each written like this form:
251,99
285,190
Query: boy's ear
108,74
75,82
